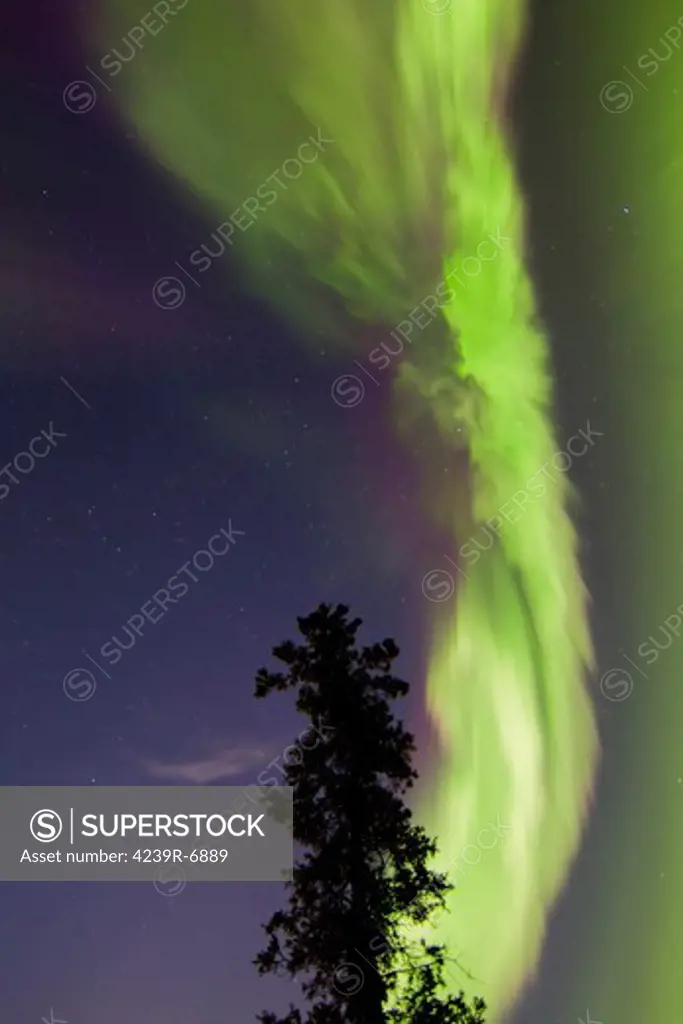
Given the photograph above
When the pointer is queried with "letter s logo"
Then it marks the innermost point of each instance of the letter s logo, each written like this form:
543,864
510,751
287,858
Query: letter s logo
46,826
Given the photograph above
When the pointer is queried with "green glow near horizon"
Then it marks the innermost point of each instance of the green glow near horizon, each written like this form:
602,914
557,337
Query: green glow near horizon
418,176
632,148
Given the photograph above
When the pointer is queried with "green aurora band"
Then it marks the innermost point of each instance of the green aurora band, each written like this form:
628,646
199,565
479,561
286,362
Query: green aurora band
416,175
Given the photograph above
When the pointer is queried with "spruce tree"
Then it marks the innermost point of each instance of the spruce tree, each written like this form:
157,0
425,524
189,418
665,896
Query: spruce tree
363,877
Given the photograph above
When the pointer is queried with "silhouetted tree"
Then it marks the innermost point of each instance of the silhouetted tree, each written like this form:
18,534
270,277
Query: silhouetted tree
363,878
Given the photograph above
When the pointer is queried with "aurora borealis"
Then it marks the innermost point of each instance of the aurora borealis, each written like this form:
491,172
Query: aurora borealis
468,210
416,174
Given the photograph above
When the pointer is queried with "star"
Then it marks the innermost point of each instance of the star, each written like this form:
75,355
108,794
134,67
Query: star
589,1019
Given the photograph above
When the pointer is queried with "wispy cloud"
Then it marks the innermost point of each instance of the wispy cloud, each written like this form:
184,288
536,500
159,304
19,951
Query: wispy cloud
224,765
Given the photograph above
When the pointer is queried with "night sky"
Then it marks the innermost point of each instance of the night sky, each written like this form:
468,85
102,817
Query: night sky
178,423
